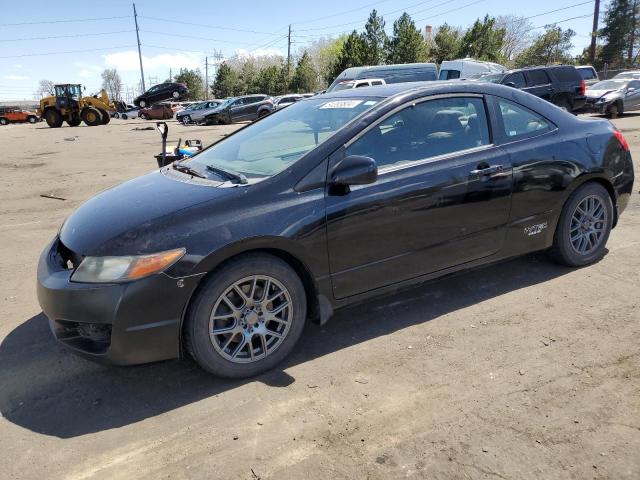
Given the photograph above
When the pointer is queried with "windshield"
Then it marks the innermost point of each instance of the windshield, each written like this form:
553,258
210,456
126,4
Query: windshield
609,85
279,140
628,75
494,78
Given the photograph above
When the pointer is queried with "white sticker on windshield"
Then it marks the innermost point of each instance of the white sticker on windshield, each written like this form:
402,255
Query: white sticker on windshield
342,104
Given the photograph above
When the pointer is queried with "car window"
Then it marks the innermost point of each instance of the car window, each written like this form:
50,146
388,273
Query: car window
517,78
154,89
587,73
376,82
519,121
566,74
634,84
362,84
449,74
424,130
538,77
238,102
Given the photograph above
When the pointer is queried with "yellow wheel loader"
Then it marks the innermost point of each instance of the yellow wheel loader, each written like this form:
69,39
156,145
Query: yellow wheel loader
68,105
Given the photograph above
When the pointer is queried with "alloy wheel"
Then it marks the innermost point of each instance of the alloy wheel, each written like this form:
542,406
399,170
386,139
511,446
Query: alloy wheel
588,225
251,318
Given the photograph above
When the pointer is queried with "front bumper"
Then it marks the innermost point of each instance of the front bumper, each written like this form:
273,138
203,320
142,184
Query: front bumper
591,105
120,323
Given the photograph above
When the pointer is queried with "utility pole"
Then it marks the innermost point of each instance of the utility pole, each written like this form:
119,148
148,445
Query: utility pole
286,87
170,75
594,32
135,18
206,78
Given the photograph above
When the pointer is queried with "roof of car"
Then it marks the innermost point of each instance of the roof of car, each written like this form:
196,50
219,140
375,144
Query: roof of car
430,88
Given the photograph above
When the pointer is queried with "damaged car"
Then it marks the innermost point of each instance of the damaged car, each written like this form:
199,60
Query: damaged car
613,97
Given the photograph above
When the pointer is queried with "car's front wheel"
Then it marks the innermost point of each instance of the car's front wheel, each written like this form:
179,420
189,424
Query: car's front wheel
186,120
176,94
584,226
246,317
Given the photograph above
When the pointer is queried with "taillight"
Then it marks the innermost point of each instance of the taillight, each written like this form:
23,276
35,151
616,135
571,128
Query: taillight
622,140
583,87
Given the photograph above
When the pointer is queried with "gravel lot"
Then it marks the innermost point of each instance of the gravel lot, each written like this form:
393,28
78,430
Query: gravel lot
523,370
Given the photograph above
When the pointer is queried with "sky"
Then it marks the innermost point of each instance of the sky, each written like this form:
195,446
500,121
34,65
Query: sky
91,36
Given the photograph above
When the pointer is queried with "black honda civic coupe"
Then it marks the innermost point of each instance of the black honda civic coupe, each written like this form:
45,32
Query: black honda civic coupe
330,201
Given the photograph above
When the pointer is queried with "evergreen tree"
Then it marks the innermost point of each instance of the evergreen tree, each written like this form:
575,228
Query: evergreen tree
267,80
305,78
226,82
407,44
447,42
375,40
193,80
246,78
619,33
351,54
483,40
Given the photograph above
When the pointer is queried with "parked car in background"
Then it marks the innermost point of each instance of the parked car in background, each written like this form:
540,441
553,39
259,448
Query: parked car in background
467,68
365,82
561,85
614,97
240,109
588,74
400,73
629,75
286,100
332,201
17,115
158,111
160,92
130,113
196,113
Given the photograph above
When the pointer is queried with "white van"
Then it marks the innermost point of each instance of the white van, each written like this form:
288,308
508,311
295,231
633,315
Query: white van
467,68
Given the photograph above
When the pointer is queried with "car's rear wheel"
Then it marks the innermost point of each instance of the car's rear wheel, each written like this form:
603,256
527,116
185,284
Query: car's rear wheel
584,226
186,119
246,317
176,94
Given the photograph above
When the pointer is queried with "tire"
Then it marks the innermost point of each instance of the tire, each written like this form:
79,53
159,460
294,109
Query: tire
176,94
262,113
91,116
566,251
615,110
106,118
3,121
124,116
32,119
215,353
74,121
142,103
53,118
186,119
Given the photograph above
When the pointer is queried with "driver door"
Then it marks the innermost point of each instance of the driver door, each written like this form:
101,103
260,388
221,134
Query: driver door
632,96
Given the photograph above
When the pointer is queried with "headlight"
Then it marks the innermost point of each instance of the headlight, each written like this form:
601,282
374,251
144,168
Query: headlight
124,268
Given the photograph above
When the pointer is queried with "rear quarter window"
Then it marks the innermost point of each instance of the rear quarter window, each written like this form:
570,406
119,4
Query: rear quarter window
587,73
566,74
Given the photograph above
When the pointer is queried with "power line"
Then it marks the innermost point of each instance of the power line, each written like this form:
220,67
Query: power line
341,13
65,52
63,21
171,20
558,10
74,35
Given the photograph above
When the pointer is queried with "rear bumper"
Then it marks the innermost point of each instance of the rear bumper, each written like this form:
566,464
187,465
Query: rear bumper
121,324
579,103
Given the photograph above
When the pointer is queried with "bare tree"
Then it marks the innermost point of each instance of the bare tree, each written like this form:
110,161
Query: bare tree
45,88
518,35
112,83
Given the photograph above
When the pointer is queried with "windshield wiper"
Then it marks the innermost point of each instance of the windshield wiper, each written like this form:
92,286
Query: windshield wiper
181,167
230,174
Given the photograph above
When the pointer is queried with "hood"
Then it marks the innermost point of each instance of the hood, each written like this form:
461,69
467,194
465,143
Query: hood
139,216
591,93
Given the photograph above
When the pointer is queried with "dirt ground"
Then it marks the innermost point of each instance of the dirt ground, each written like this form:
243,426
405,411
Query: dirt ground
523,370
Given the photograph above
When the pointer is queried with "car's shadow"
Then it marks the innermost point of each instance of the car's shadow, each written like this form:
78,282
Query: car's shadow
46,389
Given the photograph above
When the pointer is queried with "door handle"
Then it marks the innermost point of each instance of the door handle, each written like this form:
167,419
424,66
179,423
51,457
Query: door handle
488,170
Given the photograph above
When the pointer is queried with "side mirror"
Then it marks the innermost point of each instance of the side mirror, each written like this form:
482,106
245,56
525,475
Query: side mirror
631,90
354,170
510,84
